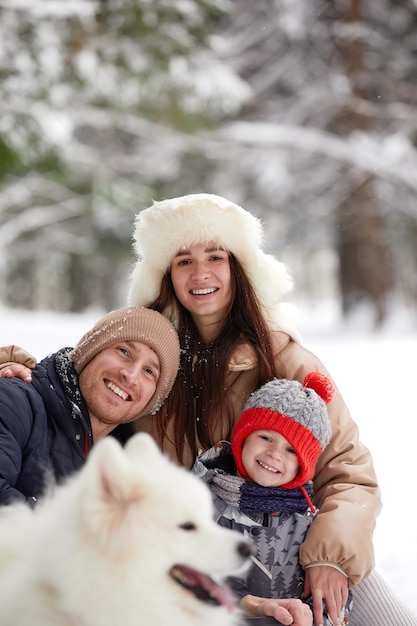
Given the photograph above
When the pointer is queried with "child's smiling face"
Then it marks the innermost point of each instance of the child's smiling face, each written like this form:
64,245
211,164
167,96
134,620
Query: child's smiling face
269,459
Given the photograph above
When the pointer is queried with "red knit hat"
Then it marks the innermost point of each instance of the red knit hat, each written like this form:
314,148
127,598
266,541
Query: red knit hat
298,412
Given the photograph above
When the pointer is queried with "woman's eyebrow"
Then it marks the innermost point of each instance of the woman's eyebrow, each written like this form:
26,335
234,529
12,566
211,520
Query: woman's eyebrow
186,251
214,249
182,252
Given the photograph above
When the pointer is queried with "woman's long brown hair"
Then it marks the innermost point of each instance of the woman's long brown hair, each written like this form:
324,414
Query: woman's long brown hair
199,403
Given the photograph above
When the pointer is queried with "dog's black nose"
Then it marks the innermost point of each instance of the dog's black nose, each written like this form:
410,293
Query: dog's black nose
245,549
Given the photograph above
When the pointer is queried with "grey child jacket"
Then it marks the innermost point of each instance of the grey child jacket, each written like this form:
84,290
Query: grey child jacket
275,571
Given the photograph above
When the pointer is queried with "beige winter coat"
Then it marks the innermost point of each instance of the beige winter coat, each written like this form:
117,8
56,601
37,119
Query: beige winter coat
345,486
10,355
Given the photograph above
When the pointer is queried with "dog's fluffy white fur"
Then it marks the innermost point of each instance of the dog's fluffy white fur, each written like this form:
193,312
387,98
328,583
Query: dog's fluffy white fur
118,544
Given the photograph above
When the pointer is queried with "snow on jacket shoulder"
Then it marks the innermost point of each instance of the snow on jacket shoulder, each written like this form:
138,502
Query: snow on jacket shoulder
41,433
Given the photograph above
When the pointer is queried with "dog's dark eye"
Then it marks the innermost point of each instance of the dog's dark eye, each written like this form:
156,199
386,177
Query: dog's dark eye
188,526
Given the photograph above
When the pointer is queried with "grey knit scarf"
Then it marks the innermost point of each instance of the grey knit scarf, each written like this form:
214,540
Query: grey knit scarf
250,497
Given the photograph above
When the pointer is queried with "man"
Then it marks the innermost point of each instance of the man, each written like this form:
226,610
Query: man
121,369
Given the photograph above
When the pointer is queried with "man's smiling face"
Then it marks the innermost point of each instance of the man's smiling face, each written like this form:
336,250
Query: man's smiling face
118,383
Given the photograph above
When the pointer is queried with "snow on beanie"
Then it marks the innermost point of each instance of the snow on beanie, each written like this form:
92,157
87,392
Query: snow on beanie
298,412
169,225
134,324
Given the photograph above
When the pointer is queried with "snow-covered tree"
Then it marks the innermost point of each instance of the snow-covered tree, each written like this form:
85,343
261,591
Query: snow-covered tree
303,112
325,148
88,89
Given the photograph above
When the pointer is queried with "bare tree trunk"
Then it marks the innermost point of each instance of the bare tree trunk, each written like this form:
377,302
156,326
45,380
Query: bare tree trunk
364,265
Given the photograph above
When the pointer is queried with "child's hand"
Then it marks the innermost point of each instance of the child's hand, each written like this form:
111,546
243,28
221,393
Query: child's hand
288,611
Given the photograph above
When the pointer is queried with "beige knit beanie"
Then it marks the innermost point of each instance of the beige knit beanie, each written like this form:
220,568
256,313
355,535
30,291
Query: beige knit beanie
134,324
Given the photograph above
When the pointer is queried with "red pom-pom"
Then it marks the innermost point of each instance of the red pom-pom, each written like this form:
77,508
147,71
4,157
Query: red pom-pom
320,384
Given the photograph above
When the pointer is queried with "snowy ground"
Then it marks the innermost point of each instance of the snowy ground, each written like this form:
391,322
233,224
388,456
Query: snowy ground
376,375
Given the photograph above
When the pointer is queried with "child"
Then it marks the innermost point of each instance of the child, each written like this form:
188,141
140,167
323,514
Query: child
262,487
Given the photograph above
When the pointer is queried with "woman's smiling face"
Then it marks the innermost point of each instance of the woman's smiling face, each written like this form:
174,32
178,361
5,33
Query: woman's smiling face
202,282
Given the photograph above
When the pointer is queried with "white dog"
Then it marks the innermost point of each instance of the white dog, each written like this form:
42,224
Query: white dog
129,540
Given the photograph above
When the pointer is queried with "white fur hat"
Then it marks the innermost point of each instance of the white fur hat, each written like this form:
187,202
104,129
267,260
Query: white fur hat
166,226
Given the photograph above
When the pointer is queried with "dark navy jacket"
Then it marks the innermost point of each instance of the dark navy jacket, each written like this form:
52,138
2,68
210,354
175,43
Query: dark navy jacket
45,430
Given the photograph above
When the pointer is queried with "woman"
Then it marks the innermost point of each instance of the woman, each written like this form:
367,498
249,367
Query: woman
200,263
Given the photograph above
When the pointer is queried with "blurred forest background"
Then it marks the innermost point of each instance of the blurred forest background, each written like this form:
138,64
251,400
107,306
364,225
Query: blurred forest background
302,111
